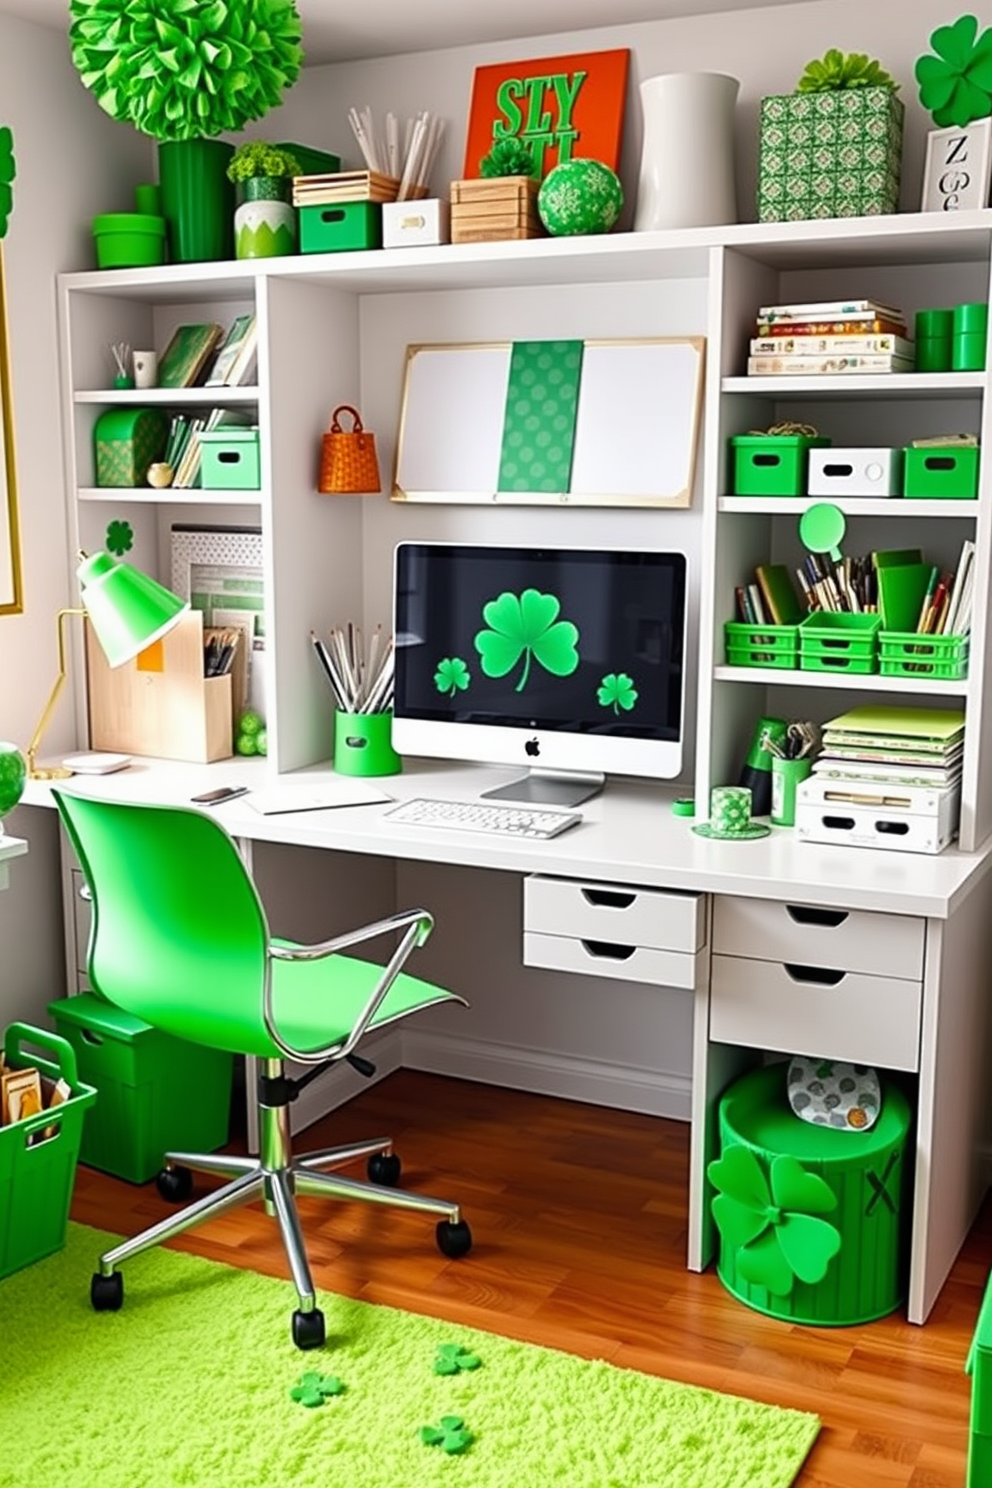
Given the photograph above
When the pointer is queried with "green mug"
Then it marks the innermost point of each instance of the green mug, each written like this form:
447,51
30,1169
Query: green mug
363,744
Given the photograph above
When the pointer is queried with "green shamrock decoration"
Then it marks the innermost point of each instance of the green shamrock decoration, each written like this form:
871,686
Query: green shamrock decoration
452,675
313,1389
836,70
452,1435
774,1232
508,157
956,85
452,1359
526,626
120,538
8,170
616,691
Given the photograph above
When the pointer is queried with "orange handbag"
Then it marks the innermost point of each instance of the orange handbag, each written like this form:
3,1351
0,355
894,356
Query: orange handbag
347,457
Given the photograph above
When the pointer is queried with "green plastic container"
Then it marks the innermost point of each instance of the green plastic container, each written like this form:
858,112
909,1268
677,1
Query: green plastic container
864,1171
125,442
313,162
934,474
128,240
835,641
342,227
38,1155
197,198
761,645
363,744
229,460
770,464
909,654
971,329
934,339
155,1093
979,1366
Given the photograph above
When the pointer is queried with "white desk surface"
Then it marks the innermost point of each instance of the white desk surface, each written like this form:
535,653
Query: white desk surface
628,835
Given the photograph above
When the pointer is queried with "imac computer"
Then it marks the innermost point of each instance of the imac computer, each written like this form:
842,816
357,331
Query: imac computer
568,661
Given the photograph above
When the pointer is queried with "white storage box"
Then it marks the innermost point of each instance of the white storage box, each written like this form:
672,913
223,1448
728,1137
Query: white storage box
407,224
855,472
896,818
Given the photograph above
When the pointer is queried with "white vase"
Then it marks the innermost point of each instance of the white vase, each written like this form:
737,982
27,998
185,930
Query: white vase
687,156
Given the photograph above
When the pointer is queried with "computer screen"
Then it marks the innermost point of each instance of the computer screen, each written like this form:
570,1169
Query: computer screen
569,661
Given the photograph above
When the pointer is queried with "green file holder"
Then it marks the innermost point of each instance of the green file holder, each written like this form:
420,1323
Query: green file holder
772,464
835,641
909,654
761,645
340,227
935,473
363,744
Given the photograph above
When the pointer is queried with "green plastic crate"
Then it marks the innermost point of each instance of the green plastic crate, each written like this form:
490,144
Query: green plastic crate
835,641
864,1171
37,1172
932,474
771,464
156,1093
341,227
909,654
761,645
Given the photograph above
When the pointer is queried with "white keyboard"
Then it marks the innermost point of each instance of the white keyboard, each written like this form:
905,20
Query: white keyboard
473,816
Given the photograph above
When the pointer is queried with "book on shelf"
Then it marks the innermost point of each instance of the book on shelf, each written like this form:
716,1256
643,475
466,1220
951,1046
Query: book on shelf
234,354
184,444
851,325
828,309
183,360
777,593
885,343
798,366
870,771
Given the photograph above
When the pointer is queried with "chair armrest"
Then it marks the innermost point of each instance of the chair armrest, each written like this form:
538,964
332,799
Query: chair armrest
419,924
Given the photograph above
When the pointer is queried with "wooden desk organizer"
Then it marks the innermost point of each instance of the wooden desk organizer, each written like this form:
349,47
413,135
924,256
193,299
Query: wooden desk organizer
161,703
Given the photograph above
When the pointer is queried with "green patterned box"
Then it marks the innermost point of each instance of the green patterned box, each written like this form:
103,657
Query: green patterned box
835,154
125,442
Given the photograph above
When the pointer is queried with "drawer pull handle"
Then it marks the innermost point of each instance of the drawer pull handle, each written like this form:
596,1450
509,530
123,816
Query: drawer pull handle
607,951
608,898
822,976
893,828
807,914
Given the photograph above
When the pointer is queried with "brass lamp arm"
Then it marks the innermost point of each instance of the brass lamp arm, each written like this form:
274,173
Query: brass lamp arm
52,774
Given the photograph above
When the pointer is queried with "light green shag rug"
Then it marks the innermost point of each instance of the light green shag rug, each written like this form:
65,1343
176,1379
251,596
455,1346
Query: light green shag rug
190,1385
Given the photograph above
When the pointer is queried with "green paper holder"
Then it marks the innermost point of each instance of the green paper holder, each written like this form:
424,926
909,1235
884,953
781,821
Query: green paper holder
363,744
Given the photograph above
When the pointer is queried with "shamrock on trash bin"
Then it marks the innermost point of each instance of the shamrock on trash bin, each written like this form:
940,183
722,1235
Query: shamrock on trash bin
771,1222
452,1359
452,1435
313,1389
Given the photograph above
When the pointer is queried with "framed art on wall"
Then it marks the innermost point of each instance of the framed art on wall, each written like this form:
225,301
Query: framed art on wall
958,168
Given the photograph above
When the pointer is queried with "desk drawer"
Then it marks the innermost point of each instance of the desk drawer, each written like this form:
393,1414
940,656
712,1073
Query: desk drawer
616,913
851,940
843,1015
601,958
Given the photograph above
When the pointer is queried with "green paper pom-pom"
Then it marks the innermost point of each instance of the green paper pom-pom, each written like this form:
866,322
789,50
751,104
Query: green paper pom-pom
508,157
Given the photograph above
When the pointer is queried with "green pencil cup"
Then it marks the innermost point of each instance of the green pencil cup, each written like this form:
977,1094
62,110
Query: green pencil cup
786,775
363,744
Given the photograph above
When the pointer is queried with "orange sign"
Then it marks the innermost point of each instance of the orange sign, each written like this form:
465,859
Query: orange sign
565,108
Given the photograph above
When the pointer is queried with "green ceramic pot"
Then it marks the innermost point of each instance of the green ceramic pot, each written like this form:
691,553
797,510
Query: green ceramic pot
580,196
13,773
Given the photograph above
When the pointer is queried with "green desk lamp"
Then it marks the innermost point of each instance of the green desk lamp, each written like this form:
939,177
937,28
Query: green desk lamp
127,610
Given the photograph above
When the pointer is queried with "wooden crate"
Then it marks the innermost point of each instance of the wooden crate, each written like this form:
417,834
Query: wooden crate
498,207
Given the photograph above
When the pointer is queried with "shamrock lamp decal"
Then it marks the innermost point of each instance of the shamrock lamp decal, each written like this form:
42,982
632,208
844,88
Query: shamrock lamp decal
772,1221
956,84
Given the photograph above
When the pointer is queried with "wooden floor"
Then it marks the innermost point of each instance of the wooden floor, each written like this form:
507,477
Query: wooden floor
579,1218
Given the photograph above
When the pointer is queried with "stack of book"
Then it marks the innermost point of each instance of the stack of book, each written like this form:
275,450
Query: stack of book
344,186
237,356
183,448
829,336
184,361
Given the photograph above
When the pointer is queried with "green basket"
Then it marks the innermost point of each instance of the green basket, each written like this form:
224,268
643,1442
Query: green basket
156,1093
38,1155
761,645
909,654
835,641
772,464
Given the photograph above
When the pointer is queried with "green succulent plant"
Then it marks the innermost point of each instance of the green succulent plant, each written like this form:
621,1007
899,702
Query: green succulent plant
526,626
258,158
508,157
956,84
836,70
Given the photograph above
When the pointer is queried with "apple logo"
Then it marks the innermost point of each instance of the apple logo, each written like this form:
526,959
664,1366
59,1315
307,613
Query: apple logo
532,748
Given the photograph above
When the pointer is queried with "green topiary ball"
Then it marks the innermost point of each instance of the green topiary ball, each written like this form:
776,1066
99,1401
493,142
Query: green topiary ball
580,196
13,773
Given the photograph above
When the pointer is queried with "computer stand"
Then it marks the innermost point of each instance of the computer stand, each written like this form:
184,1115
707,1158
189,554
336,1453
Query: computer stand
549,788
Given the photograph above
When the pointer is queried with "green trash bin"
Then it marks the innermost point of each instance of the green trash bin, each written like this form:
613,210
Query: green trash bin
862,1203
156,1093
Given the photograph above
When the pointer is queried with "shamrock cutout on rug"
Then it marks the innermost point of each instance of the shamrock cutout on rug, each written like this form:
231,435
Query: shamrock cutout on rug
451,1435
452,1359
313,1389
773,1230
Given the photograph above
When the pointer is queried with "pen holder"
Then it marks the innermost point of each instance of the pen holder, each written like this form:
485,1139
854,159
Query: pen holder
786,775
363,744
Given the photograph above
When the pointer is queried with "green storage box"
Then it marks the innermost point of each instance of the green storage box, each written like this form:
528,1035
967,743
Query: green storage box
772,464
865,1172
835,641
933,473
229,460
833,154
155,1093
38,1155
313,162
343,226
909,654
979,1366
125,442
126,240
761,645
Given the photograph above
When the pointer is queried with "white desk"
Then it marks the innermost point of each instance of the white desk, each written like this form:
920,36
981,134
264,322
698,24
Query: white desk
10,847
911,933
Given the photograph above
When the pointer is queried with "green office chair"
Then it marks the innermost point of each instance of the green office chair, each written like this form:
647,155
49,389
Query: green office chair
180,939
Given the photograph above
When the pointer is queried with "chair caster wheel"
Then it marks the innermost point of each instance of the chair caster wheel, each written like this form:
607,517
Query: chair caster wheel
453,1240
308,1329
107,1292
384,1169
174,1184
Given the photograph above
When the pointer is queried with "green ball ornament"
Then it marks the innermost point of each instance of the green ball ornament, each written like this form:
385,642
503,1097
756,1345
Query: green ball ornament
580,196
245,744
13,773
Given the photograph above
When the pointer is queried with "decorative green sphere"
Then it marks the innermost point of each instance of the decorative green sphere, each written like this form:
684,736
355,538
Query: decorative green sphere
13,773
580,196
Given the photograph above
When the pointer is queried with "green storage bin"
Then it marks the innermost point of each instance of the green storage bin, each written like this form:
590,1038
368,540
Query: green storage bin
155,1093
835,641
127,240
930,474
909,654
343,226
125,442
979,1366
772,464
229,460
761,645
313,162
37,1172
865,1172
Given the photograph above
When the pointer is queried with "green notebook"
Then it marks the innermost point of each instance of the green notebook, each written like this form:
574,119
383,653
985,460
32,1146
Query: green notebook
775,583
941,724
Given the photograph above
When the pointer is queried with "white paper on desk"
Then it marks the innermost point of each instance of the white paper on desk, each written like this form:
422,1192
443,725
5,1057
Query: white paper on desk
282,798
